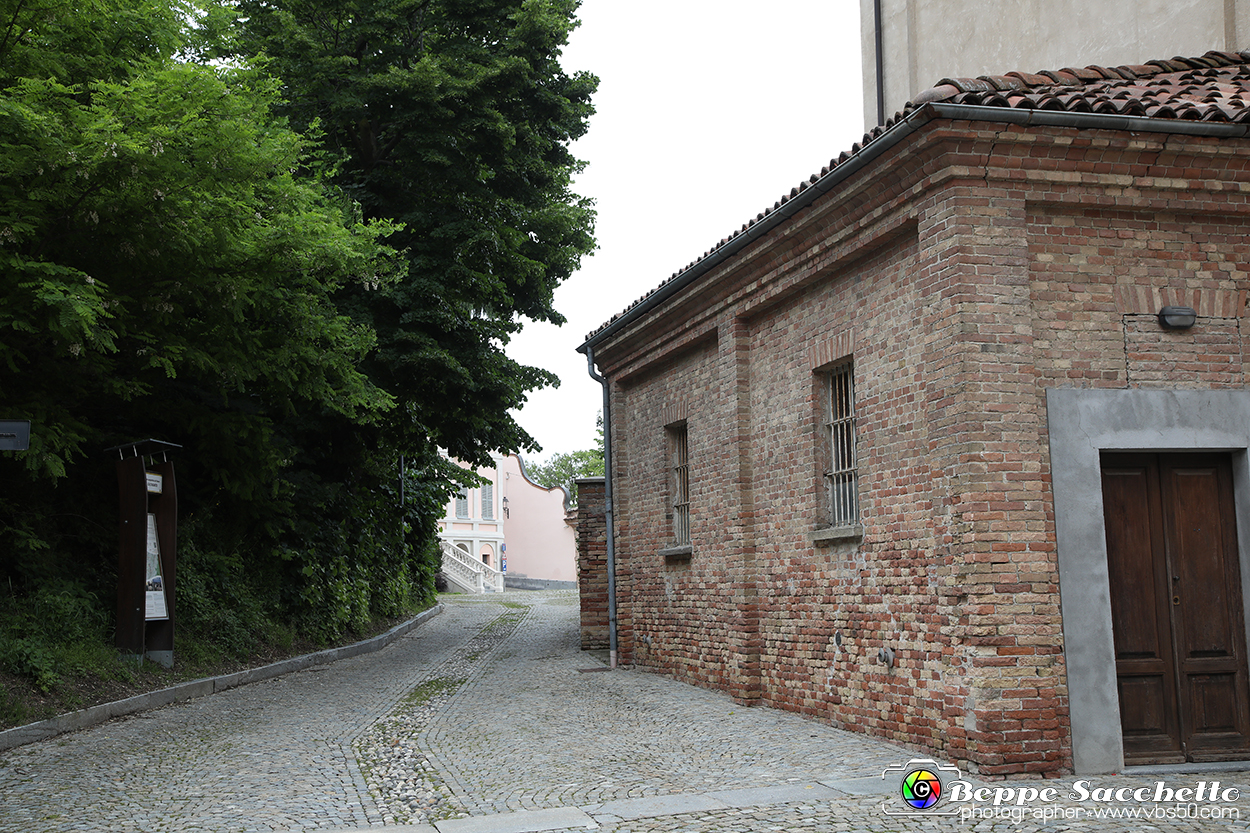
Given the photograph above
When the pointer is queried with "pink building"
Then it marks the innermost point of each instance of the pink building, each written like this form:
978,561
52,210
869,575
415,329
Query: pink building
512,526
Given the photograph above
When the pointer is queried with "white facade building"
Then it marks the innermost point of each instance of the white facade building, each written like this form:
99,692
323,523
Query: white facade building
509,525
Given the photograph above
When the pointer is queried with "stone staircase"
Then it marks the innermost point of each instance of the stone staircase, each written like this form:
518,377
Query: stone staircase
468,574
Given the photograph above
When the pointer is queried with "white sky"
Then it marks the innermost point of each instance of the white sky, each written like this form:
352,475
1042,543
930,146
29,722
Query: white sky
707,112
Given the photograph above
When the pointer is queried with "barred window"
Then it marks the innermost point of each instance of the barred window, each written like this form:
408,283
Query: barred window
680,467
841,472
462,504
488,502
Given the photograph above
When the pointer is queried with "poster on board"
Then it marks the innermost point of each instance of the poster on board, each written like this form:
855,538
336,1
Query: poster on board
156,607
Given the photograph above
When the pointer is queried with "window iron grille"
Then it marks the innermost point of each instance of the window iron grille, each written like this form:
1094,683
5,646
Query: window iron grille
843,472
681,486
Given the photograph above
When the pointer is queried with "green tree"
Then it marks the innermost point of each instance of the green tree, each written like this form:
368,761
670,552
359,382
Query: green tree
174,259
294,237
564,469
453,117
165,266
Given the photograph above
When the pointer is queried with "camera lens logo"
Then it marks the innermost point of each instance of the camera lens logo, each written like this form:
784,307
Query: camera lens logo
920,786
921,789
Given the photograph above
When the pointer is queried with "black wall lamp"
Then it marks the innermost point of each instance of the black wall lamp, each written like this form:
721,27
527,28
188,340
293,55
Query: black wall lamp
505,508
1177,318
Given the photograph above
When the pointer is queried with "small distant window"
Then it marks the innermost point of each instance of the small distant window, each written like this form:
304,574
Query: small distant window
462,504
488,502
841,469
680,480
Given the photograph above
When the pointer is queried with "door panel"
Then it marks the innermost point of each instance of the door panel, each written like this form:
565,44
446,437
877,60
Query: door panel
1177,615
1208,621
1194,502
1214,702
1145,671
1146,706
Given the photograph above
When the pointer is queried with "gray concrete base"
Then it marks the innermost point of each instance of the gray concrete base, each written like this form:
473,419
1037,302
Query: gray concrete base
164,658
675,804
631,809
656,805
1189,769
874,785
524,583
765,796
83,718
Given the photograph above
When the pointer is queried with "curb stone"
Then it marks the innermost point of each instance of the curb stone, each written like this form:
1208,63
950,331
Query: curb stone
73,721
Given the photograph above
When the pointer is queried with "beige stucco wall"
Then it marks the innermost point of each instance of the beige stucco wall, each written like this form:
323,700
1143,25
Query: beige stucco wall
541,545
924,41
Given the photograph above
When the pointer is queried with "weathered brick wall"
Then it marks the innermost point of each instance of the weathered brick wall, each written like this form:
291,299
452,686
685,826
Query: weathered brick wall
681,613
592,562
828,610
984,265
1098,325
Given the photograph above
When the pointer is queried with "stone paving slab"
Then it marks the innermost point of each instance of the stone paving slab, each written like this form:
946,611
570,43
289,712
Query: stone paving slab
522,821
875,785
657,805
764,796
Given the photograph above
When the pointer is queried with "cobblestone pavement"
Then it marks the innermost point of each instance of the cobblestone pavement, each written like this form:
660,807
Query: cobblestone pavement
484,719
275,755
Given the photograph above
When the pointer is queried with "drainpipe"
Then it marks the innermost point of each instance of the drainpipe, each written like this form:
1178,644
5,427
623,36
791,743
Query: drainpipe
607,501
877,26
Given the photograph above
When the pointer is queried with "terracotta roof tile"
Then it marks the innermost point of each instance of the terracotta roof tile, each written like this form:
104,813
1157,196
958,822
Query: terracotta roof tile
1107,72
1213,87
1061,77
941,92
1087,74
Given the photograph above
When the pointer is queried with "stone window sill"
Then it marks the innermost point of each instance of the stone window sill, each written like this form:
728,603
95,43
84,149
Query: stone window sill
679,552
836,534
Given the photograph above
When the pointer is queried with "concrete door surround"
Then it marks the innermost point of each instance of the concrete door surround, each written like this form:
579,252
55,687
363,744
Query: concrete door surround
1083,423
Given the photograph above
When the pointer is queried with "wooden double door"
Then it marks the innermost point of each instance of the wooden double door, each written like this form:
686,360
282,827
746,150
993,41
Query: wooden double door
1176,607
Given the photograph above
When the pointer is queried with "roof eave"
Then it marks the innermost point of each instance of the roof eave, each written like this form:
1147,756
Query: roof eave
884,142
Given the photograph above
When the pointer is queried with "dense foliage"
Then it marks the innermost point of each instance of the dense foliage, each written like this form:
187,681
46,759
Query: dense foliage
454,117
293,238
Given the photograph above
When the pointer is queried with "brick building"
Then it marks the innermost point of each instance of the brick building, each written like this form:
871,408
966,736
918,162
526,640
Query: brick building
915,452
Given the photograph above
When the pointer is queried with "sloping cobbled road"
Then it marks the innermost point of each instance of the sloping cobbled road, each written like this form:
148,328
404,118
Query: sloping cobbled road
483,719
533,732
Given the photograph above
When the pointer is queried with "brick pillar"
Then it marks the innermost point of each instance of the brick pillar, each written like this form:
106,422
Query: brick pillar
592,562
1005,696
745,639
